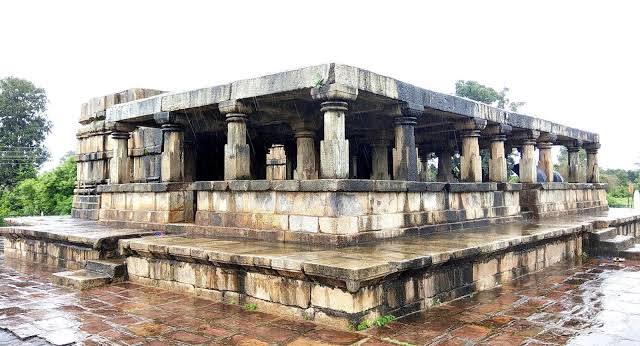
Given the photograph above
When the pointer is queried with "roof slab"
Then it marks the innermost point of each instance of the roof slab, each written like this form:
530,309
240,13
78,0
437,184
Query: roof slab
375,92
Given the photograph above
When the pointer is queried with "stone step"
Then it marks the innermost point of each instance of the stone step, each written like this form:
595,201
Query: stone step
603,234
80,279
615,244
115,268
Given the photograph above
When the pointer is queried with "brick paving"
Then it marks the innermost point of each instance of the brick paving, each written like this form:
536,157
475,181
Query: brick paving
597,303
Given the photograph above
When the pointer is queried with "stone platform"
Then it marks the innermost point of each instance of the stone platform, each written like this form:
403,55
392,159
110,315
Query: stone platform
332,285
62,241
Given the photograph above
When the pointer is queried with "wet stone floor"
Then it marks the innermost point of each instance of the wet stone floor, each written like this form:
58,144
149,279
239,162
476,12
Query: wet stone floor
597,303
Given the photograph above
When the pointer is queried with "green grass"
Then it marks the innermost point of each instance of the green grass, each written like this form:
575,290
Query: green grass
619,202
379,322
251,307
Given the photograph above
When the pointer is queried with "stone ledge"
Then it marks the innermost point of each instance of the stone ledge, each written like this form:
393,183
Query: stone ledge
347,185
144,187
563,186
354,267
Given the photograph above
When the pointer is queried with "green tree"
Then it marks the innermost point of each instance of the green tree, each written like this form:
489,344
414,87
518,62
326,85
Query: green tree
50,193
23,128
482,93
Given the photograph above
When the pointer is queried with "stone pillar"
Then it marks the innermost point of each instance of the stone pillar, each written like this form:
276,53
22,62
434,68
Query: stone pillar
380,158
306,155
172,159
445,165
593,171
528,171
290,150
334,148
119,163
237,153
353,159
573,151
405,158
423,163
545,161
498,159
470,160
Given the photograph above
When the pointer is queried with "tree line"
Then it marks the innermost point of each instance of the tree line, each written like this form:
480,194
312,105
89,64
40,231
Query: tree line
24,126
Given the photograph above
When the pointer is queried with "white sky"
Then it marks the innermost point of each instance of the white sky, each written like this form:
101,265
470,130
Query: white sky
574,62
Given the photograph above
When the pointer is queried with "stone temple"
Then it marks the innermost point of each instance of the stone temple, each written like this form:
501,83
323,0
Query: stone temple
306,193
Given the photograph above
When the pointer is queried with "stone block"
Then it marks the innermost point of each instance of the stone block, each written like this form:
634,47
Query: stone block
347,204
340,300
384,202
311,204
339,225
299,223
203,200
278,289
220,201
138,266
160,270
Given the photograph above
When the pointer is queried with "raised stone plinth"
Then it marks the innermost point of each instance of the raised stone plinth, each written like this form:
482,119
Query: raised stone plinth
146,205
343,286
556,199
62,241
345,211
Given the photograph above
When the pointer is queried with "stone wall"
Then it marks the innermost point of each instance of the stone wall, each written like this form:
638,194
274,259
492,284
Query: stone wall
555,199
55,254
146,203
348,207
94,150
294,293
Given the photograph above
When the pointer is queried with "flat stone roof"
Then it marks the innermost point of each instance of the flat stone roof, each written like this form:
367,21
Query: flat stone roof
376,88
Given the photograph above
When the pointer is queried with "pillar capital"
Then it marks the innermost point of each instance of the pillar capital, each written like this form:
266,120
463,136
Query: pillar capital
470,127
574,146
171,127
233,107
334,92
408,110
116,126
546,140
497,132
592,148
527,137
120,135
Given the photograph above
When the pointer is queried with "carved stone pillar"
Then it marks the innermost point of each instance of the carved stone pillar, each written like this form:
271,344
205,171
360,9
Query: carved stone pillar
380,158
237,153
119,163
470,160
354,156
573,153
545,161
593,171
405,158
528,171
172,159
445,165
306,155
423,163
334,148
498,160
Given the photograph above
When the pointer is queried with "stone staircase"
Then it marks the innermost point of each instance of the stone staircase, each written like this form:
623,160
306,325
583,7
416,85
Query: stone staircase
96,273
608,243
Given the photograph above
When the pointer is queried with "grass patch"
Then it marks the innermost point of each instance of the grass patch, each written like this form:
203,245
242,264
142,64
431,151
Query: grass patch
251,307
619,202
378,322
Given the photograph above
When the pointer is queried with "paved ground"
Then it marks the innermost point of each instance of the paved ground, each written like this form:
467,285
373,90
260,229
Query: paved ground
594,304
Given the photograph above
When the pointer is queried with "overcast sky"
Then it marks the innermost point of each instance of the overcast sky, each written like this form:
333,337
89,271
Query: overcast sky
573,62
